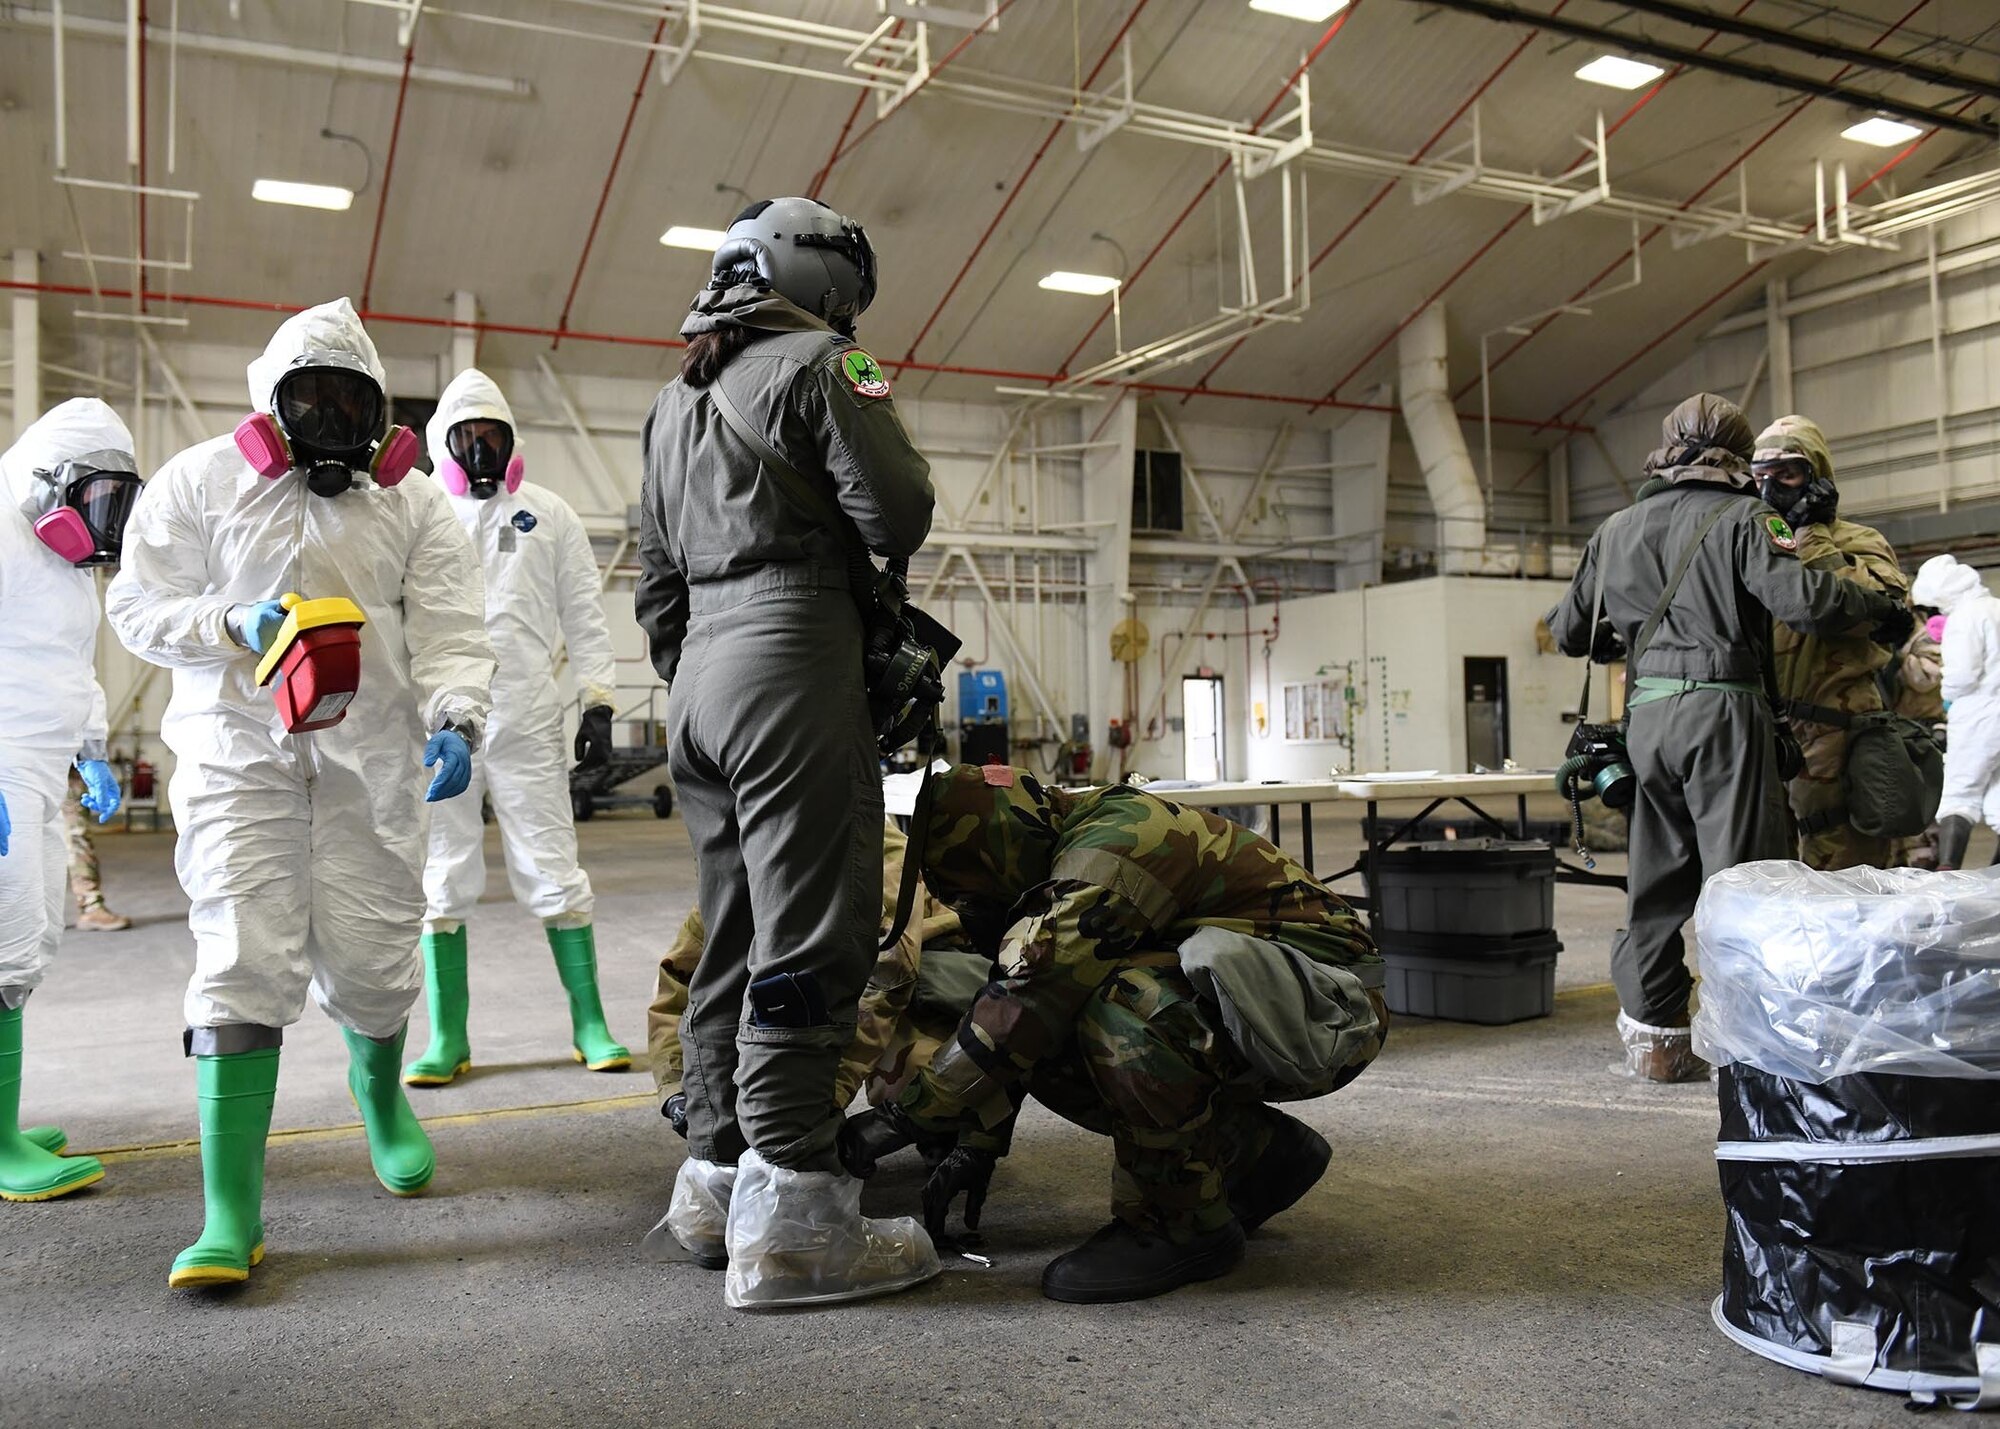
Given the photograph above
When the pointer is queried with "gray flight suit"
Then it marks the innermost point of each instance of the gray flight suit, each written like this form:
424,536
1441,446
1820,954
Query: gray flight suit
1709,794
744,596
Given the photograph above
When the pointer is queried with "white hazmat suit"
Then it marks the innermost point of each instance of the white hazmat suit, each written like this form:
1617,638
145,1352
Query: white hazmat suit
302,854
542,595
51,705
1971,661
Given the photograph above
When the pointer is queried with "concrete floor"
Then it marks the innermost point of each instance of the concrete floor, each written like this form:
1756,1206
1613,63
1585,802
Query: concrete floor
1507,1236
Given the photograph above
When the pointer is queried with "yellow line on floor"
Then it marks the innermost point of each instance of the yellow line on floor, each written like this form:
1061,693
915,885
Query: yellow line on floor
155,1150
1593,989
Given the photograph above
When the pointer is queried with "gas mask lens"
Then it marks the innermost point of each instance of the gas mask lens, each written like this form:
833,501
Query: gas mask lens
330,413
482,447
104,499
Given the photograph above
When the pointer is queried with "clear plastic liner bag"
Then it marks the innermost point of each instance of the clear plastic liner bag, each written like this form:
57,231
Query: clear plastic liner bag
697,1218
799,1238
1812,976
1658,1054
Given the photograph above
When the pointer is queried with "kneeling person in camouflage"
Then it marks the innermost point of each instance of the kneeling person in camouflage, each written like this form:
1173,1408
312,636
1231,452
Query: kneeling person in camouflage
1161,975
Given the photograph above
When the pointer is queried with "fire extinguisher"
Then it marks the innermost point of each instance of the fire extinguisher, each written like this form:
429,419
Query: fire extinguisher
1080,756
142,779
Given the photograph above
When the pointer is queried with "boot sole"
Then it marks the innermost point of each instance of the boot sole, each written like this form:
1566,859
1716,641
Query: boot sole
412,1190
437,1079
193,1277
1211,1266
608,1064
54,1192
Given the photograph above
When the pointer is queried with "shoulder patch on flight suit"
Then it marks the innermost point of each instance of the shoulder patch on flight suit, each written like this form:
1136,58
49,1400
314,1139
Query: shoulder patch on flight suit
863,373
523,521
1782,538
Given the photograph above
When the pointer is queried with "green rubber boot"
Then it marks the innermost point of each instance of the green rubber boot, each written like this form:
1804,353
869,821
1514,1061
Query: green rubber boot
235,1092
29,1170
446,991
397,1146
51,1139
575,951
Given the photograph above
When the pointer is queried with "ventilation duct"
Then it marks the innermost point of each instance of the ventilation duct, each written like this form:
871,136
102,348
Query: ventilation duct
1440,445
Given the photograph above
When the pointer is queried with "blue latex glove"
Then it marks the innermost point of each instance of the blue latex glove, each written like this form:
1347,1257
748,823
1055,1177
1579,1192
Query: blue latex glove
6,825
257,625
453,756
101,794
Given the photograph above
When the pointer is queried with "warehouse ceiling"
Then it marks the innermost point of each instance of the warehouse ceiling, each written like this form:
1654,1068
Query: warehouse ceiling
534,156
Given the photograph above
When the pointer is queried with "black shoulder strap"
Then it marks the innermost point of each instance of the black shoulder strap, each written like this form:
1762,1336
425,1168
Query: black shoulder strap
1596,616
1674,584
861,571
733,417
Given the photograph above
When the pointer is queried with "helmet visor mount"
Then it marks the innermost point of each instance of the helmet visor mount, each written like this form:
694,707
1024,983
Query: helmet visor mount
482,446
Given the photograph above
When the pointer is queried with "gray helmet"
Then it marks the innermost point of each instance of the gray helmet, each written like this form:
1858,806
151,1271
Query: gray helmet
806,253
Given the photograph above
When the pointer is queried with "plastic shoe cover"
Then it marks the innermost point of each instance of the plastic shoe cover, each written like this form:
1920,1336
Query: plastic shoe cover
799,1238
698,1214
1659,1054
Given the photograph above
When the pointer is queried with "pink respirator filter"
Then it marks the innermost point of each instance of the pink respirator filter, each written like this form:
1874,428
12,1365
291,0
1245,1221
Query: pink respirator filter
263,445
458,483
62,531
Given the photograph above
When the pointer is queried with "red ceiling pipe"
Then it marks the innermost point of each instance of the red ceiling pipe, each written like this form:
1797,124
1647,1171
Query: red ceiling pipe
1388,188
425,320
139,273
611,175
1221,169
1645,99
1747,274
1696,197
1015,192
819,177
388,171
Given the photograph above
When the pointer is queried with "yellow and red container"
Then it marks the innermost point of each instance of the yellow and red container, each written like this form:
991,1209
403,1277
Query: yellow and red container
315,662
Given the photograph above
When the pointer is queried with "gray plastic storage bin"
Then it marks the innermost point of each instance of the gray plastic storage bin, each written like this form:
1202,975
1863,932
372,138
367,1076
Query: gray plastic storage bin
1478,888
1492,985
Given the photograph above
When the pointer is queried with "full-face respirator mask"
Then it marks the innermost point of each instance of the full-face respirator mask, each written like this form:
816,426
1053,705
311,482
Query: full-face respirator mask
79,509
326,410
480,459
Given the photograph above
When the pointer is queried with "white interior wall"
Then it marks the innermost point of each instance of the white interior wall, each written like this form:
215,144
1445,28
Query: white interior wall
1862,365
1401,649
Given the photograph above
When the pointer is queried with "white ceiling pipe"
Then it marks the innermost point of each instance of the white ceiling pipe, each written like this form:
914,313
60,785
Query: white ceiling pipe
78,26
1438,439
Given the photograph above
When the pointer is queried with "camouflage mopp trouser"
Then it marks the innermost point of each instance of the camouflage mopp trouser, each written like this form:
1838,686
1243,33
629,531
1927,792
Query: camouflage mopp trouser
1149,1069
85,880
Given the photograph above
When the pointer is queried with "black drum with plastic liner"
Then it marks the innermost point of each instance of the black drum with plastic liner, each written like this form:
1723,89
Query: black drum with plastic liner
1854,1019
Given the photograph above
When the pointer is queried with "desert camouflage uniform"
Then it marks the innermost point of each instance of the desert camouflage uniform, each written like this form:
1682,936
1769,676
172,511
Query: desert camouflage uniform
1091,1012
1835,672
1916,684
85,881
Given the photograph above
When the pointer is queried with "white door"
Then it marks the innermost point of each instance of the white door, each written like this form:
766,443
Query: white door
1201,727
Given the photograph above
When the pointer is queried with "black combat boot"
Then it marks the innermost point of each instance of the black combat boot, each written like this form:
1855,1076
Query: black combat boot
1122,1262
1290,1165
1954,833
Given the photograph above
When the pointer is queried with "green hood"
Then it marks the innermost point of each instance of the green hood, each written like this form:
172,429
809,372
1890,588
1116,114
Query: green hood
1797,436
989,842
747,305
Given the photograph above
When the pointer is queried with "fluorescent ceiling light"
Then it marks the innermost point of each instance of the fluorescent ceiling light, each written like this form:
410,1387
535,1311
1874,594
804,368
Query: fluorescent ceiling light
1314,10
1619,72
705,239
1091,285
1882,133
301,195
